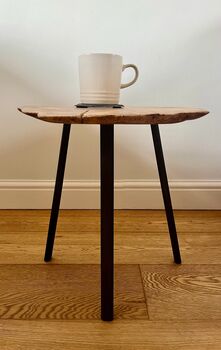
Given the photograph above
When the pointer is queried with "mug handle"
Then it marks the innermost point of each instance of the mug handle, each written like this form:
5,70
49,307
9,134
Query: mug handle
134,79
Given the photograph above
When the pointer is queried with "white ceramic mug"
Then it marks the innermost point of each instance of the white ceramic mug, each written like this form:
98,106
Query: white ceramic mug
100,77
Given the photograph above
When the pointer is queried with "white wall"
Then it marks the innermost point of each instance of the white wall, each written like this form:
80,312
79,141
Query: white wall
177,47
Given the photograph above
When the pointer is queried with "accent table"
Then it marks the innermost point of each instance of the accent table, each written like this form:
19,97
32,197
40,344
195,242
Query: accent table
107,118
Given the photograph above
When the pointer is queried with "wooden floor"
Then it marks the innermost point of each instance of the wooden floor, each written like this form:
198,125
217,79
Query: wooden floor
158,305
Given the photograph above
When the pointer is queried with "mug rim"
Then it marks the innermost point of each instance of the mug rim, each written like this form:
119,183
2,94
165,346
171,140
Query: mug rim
100,53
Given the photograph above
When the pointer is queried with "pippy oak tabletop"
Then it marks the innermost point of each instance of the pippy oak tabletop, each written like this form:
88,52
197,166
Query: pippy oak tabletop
107,115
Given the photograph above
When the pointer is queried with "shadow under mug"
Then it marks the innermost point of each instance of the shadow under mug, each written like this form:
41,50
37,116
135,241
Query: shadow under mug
100,78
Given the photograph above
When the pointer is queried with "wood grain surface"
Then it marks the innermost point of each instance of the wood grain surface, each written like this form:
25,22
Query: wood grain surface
126,115
141,237
117,335
67,292
136,221
158,305
183,292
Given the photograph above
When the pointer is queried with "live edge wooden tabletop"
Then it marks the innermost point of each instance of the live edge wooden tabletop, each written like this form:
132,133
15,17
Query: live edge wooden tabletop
125,115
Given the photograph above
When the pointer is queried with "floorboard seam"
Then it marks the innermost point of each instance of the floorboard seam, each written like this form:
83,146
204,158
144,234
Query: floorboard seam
145,297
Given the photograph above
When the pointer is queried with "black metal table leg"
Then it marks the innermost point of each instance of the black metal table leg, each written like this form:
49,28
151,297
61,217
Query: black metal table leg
57,192
107,221
166,193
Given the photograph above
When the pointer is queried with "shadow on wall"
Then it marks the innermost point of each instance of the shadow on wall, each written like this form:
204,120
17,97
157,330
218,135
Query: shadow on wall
36,157
20,138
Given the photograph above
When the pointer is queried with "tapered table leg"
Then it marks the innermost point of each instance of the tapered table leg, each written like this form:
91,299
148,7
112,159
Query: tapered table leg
166,193
107,221
57,192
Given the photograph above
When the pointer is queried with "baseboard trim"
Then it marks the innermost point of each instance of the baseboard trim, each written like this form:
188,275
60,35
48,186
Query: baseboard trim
140,194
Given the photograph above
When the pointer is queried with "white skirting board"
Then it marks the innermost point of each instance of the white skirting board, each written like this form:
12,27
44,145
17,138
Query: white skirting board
140,194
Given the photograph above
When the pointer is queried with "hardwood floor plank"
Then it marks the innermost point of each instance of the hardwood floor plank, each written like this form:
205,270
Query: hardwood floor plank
84,248
57,305
67,292
89,213
125,220
154,240
117,335
188,292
